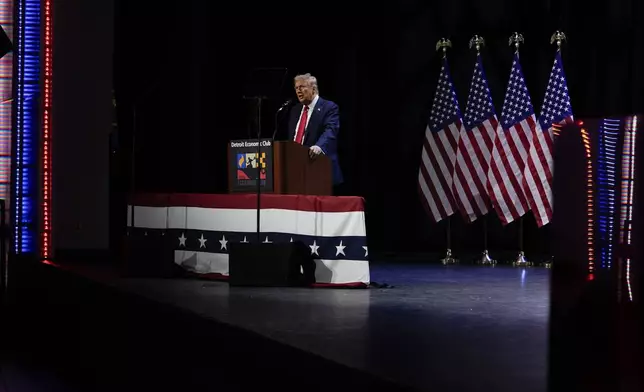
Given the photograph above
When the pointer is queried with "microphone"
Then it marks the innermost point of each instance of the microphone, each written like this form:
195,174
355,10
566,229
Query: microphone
284,106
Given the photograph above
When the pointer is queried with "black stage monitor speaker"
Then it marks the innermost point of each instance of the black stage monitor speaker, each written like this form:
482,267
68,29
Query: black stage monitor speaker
148,255
271,265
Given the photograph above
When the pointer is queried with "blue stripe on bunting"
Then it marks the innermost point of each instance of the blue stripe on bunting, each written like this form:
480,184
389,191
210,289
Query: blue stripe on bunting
212,242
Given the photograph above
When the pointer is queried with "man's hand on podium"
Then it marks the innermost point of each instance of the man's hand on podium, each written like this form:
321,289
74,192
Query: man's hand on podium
314,151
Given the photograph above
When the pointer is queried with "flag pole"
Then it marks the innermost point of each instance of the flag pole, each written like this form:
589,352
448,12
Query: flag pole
557,37
520,261
477,42
485,257
449,259
442,45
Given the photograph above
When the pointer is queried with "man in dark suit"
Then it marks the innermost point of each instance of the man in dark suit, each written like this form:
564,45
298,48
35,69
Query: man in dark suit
315,123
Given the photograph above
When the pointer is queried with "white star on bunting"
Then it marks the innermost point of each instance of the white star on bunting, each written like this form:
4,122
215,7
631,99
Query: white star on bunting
339,250
182,240
202,241
223,242
314,248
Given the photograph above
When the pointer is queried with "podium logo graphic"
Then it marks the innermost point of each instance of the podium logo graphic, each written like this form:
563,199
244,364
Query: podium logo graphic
247,165
249,160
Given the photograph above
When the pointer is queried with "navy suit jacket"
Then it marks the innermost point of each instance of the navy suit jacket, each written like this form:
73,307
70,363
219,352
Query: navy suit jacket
322,131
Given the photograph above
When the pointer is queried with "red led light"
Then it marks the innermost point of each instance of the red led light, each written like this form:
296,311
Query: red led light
46,135
589,197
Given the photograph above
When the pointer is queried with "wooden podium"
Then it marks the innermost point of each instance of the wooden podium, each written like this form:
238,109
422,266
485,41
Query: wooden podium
293,171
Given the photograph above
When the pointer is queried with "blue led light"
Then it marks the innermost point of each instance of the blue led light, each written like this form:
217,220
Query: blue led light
606,175
26,122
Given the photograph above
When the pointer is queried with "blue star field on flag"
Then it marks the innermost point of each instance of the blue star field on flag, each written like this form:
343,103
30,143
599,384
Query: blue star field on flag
556,104
480,106
445,108
517,106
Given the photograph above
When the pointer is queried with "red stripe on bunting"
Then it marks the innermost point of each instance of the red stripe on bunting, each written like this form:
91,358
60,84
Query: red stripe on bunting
249,201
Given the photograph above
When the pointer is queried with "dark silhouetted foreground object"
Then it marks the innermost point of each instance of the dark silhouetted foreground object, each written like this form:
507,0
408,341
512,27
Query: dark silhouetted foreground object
593,343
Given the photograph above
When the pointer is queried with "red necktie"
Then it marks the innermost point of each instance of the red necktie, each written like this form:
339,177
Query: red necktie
300,129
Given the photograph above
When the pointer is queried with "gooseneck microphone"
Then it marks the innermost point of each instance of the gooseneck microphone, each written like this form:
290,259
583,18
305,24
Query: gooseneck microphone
284,106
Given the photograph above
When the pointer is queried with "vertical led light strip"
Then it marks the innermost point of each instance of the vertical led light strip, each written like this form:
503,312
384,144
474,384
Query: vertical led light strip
6,103
606,181
628,186
590,204
45,136
26,119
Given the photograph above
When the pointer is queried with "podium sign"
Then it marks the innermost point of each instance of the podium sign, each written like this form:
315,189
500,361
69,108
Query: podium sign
243,161
286,168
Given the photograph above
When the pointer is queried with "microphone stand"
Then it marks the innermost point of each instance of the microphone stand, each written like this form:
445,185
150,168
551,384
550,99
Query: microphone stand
259,101
132,191
257,162
133,184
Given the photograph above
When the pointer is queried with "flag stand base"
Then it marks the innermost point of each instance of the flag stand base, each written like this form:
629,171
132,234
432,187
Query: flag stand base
448,258
486,259
521,261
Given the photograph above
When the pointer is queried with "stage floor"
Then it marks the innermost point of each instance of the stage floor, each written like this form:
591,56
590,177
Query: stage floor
457,328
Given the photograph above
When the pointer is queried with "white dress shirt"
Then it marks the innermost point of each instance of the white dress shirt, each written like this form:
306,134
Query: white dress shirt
308,117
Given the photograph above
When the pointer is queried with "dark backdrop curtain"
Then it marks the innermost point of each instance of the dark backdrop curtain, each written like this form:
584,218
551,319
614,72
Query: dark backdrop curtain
186,66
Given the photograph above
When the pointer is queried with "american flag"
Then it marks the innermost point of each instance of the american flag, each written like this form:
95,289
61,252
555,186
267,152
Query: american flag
439,149
518,123
474,148
556,109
